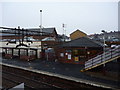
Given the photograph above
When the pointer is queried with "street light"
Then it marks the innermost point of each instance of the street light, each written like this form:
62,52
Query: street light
40,18
103,45
41,30
41,21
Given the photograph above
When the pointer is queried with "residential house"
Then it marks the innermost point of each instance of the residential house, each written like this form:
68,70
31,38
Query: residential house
77,34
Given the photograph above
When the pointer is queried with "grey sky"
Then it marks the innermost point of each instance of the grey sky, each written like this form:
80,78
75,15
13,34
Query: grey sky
0,13
90,17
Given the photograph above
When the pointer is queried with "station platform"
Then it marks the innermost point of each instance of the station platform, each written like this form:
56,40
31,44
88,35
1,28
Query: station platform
62,70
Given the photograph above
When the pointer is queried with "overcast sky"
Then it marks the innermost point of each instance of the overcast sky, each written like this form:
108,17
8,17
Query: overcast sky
89,17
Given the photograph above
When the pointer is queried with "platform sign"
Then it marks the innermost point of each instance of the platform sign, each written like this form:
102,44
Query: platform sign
76,58
69,56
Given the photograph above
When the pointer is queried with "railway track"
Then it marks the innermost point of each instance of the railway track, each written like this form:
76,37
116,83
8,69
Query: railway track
8,84
37,80
29,83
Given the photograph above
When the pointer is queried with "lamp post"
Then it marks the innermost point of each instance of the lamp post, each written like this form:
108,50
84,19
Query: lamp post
40,18
41,21
41,31
103,46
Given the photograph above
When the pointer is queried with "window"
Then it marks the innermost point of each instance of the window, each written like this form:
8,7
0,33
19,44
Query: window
79,54
75,52
82,52
68,51
9,51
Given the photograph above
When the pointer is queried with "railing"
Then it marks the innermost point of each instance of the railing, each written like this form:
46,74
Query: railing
104,57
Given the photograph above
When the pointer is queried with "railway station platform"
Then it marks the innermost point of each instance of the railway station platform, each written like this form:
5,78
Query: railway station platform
62,70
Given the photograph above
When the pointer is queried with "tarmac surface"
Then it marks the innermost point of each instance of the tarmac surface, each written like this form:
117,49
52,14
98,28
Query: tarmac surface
71,70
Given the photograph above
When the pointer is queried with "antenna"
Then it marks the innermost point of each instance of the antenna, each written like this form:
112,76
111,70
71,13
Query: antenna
64,30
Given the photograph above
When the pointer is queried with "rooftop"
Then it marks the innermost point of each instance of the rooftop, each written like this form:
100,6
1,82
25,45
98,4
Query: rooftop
82,42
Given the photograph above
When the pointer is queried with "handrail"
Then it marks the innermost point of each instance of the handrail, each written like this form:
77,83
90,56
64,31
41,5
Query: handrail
108,54
95,55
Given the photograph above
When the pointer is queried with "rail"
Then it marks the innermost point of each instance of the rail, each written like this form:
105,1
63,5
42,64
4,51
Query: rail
29,83
54,81
109,55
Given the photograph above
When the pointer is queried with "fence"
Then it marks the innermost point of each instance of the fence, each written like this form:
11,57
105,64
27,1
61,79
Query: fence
105,57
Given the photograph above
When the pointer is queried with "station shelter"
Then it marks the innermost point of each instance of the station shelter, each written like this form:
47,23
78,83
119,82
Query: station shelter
78,51
21,53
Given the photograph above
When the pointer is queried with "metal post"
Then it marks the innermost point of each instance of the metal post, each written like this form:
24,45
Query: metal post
47,55
41,29
19,34
64,32
103,46
40,18
12,52
28,51
41,21
19,52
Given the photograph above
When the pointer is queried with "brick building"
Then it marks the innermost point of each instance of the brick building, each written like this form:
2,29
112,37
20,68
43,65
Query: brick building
78,51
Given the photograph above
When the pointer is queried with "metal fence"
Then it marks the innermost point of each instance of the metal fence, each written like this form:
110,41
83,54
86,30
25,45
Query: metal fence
105,57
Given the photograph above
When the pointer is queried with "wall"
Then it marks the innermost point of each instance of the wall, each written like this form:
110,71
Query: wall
62,54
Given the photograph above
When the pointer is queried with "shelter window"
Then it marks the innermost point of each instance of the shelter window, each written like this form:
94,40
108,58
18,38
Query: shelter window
23,52
16,51
9,51
68,51
32,52
75,52
82,52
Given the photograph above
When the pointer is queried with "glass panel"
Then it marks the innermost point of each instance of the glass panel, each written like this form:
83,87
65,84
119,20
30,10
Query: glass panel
79,54
75,52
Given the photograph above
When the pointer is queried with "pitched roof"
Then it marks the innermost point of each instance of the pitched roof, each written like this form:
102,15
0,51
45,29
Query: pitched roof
78,31
47,30
82,42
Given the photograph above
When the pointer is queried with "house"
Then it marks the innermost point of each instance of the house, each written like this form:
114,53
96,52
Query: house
77,34
78,51
111,38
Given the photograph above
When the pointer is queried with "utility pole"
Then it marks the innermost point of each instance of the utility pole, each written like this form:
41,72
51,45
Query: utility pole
103,45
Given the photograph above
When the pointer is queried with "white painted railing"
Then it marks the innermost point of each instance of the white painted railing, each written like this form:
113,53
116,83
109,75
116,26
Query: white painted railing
107,55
